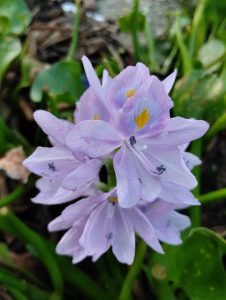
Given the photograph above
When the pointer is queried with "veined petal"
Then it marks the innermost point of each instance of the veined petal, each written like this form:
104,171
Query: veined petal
126,84
84,174
150,185
123,240
145,229
177,194
180,221
170,166
147,112
179,131
55,162
82,208
191,160
58,224
69,242
92,78
128,184
168,82
94,138
95,238
52,126
90,107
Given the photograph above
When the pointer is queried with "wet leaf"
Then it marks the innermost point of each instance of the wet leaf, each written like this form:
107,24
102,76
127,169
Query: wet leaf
61,81
10,48
199,96
211,52
18,15
196,266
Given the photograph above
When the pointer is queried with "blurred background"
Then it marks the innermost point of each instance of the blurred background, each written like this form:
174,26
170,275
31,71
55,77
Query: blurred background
41,45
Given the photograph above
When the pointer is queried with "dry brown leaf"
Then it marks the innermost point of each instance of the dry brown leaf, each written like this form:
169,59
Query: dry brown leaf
12,165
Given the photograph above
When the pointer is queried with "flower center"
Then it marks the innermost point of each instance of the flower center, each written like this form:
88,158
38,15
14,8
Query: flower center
130,93
96,117
113,199
142,119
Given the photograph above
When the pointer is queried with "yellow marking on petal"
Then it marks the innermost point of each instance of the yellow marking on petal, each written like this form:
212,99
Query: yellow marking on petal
113,199
130,93
142,119
96,117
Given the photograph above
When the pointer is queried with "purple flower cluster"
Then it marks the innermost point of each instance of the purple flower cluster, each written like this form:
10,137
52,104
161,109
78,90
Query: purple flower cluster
124,121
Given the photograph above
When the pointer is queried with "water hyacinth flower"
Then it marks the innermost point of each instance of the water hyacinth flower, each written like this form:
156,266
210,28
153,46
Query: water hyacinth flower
125,121
139,131
97,223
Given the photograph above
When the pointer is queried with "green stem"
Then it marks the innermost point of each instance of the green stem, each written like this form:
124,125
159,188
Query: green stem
198,15
219,125
34,293
186,63
134,33
151,47
17,295
71,274
125,293
213,196
9,222
74,40
195,212
12,196
111,173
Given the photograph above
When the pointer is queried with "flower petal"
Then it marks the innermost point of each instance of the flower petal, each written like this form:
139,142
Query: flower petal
53,127
55,162
94,138
58,224
147,112
126,84
168,82
94,238
191,160
177,194
92,78
179,131
128,184
170,166
90,107
81,208
123,241
84,174
145,229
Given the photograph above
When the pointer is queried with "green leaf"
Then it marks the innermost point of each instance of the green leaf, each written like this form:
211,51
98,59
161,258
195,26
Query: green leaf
196,266
199,96
10,48
4,24
18,15
211,52
125,22
62,81
29,67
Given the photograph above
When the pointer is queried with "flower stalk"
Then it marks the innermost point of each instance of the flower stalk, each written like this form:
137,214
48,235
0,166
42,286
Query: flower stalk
74,40
125,293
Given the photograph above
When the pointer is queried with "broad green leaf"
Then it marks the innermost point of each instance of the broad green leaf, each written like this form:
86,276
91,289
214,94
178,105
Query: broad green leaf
10,48
199,96
196,266
4,24
29,66
18,15
211,52
62,81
